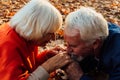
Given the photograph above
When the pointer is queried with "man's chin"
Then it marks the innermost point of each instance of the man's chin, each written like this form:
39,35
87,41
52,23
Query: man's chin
80,58
76,57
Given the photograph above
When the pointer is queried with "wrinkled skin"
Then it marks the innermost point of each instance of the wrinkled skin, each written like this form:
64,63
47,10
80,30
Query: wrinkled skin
80,48
77,46
58,61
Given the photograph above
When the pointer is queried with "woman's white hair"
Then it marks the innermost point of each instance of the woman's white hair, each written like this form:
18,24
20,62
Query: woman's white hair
88,22
35,19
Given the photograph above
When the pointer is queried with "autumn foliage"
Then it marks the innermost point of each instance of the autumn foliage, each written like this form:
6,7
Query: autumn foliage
109,8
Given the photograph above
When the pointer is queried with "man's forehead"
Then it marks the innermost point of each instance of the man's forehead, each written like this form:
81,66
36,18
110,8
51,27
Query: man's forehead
71,31
73,39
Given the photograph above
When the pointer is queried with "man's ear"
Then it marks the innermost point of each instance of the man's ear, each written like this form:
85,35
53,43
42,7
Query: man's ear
97,43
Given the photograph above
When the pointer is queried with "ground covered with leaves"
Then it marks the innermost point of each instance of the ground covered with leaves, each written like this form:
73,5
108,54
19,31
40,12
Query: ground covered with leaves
109,8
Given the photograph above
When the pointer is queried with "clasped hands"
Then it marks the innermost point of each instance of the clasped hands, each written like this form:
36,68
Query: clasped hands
63,60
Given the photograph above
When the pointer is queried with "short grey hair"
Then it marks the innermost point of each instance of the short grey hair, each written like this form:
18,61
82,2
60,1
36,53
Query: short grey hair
35,19
88,22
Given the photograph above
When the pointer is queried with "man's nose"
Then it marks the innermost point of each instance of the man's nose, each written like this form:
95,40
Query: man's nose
69,49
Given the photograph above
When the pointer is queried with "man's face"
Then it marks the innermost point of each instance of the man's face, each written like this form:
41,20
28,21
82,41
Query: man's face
76,46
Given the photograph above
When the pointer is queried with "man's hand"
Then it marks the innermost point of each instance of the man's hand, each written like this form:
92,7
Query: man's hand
74,71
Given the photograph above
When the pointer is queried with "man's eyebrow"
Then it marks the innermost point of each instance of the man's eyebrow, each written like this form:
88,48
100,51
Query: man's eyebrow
72,45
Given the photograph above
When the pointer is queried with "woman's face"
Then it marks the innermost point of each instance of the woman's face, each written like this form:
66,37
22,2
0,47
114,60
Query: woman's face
45,39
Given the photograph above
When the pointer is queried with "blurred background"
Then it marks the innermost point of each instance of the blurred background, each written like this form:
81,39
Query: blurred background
109,8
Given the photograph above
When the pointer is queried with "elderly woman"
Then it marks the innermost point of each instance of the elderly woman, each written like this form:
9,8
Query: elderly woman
34,25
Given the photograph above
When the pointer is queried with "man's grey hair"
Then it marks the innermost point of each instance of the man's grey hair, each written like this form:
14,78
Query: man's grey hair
88,22
35,19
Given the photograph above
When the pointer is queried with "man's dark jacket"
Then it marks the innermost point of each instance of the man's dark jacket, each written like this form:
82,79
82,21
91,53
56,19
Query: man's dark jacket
109,61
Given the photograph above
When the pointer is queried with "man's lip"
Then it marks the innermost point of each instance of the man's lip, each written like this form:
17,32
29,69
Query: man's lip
76,58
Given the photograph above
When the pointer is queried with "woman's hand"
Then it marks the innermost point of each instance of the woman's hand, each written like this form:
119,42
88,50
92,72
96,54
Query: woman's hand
57,61
52,52
60,49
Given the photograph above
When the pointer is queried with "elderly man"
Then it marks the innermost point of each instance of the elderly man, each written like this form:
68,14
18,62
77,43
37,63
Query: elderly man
87,33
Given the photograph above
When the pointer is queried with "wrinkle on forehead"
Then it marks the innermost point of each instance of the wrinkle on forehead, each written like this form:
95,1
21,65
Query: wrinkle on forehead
71,31
73,40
